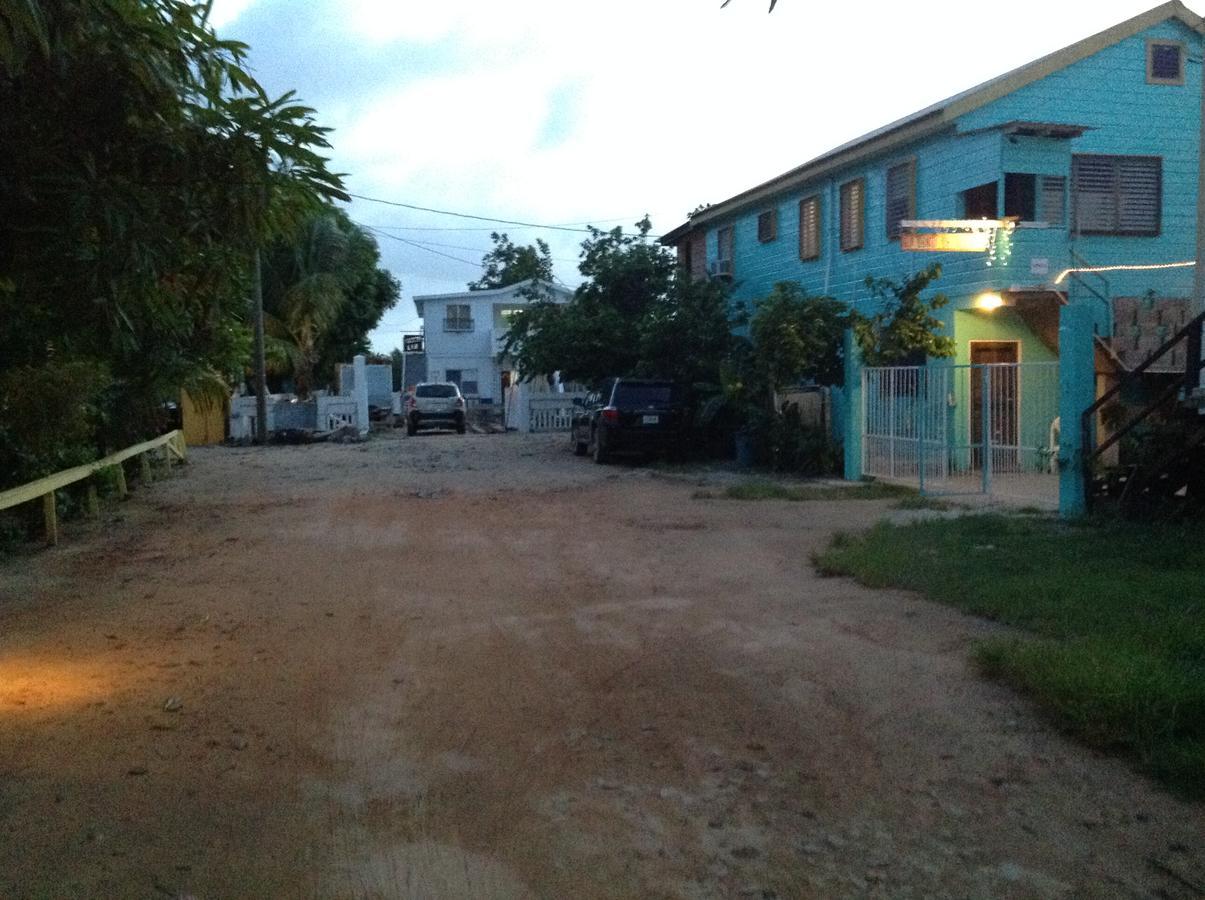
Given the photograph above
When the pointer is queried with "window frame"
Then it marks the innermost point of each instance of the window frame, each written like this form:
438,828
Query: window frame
818,230
770,234
860,182
910,164
1118,232
1151,78
458,323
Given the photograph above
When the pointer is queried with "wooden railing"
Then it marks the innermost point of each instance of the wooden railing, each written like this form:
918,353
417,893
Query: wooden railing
170,445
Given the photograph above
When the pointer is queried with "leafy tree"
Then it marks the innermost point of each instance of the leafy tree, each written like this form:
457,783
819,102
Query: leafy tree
323,293
799,337
142,165
904,331
634,314
508,264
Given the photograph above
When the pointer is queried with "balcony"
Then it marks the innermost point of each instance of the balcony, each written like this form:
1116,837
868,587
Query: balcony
458,325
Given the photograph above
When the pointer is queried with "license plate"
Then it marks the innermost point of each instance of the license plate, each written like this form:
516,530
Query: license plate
650,420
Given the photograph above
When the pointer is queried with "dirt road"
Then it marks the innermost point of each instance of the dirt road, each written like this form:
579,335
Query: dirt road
480,667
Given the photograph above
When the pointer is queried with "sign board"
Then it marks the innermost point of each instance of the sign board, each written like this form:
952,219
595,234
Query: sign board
412,343
1039,265
947,241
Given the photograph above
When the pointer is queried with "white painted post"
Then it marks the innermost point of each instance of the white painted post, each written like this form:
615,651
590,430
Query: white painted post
360,393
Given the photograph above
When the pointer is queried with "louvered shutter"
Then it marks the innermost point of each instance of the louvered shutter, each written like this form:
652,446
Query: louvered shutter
1138,195
901,197
1117,194
1051,204
809,228
852,214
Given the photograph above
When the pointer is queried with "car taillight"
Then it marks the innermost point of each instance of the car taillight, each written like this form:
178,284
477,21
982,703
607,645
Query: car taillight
610,414
460,402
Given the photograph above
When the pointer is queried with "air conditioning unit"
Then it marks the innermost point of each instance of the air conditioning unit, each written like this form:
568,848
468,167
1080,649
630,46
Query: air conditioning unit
720,268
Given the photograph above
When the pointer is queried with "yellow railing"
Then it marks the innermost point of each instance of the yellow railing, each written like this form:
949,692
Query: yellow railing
170,444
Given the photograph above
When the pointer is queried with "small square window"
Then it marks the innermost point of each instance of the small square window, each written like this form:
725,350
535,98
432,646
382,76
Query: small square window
767,226
1164,62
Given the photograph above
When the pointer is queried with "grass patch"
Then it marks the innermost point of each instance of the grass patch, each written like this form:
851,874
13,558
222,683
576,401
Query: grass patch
1116,614
920,501
769,490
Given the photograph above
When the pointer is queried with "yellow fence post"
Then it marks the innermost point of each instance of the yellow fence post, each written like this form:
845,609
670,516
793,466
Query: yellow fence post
123,489
144,463
93,501
51,515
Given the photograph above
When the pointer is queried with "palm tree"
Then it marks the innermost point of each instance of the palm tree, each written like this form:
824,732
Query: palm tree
303,296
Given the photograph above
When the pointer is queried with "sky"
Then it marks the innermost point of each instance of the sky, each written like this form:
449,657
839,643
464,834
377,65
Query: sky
567,112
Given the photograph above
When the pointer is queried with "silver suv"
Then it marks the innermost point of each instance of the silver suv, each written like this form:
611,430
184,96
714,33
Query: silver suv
435,405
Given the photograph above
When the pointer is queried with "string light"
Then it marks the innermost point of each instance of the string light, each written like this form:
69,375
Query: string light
1000,243
1136,267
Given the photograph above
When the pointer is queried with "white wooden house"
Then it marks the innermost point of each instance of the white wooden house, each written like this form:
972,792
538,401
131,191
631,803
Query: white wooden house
465,333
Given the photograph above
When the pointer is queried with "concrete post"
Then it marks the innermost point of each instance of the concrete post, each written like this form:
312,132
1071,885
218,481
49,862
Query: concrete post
1077,391
360,393
853,407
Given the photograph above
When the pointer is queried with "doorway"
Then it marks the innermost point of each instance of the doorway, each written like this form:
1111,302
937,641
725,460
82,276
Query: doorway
995,402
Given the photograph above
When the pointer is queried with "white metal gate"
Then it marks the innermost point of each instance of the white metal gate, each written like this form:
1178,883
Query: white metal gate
964,428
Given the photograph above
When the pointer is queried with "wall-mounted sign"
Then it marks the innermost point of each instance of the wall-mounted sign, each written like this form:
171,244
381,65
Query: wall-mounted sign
946,241
412,343
1039,265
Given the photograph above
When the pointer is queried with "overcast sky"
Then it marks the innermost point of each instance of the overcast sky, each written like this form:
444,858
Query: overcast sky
573,111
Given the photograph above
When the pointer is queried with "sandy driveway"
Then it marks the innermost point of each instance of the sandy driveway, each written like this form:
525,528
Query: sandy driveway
480,667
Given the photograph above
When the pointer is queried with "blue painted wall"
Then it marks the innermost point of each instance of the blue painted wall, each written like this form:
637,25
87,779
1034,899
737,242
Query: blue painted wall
1107,93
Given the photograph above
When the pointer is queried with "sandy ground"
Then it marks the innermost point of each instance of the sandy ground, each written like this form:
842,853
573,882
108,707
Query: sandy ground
458,667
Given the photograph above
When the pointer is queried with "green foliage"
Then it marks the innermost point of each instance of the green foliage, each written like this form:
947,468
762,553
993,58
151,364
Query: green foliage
799,337
142,163
1118,647
323,294
635,314
904,331
508,264
760,489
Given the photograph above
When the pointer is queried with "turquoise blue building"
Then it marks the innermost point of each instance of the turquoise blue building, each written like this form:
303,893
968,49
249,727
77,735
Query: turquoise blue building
1091,151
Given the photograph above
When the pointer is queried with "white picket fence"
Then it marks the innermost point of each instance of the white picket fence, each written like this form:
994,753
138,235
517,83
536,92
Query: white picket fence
551,412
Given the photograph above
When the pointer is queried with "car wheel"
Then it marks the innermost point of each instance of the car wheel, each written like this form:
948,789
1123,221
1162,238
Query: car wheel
411,427
579,447
461,428
600,452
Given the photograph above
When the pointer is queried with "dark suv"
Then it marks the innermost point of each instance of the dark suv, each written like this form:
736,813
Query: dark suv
631,415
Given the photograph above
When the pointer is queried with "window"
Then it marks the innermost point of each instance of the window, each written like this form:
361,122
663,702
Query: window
723,256
980,202
1052,204
767,226
809,228
458,317
1034,198
853,214
901,196
1119,195
1164,62
468,382
437,391
452,375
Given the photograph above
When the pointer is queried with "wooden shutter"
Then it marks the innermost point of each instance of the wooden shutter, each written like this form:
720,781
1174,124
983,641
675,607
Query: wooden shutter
901,197
1052,189
853,220
809,228
767,226
1117,194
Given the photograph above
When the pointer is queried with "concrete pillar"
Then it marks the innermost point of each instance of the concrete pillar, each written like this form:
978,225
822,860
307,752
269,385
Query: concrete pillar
853,407
360,393
1077,391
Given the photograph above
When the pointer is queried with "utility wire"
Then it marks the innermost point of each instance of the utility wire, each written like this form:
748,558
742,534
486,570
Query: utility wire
460,215
467,262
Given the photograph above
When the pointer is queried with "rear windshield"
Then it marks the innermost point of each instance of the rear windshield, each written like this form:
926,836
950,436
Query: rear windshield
644,394
435,390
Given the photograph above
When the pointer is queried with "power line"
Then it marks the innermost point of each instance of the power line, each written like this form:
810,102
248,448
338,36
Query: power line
460,215
467,262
